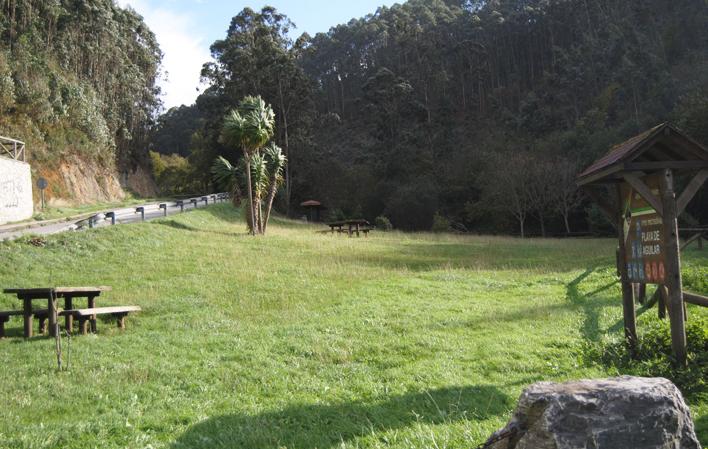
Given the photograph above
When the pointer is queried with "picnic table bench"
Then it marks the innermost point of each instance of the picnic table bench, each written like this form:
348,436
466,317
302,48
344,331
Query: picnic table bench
52,312
352,226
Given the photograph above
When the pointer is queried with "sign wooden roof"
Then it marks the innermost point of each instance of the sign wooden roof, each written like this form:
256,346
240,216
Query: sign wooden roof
663,146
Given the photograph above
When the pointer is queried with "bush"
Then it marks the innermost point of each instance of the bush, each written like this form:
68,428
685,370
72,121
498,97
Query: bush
440,224
654,355
383,224
173,173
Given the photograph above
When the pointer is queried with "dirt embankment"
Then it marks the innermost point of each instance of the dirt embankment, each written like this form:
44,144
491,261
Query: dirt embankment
74,180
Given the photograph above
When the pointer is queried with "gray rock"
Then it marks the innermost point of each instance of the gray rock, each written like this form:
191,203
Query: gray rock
619,413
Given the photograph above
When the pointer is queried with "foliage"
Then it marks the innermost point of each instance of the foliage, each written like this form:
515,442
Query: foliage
654,355
420,96
173,174
440,223
78,77
174,129
383,224
249,128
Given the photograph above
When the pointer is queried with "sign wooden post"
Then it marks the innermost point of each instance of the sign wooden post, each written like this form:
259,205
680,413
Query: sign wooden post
673,268
628,311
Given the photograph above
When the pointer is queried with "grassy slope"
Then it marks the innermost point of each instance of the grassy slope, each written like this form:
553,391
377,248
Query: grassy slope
301,340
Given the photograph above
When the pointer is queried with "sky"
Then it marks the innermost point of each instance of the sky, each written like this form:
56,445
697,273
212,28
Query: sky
186,28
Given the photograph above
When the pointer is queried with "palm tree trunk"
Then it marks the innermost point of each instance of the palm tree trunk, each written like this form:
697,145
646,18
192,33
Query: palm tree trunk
250,192
271,197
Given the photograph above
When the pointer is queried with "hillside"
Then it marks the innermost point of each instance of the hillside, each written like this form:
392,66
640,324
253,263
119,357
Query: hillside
77,84
304,340
428,107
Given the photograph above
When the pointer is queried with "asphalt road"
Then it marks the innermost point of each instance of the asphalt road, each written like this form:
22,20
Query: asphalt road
101,219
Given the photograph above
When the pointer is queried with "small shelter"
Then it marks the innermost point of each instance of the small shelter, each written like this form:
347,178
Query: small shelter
645,208
314,209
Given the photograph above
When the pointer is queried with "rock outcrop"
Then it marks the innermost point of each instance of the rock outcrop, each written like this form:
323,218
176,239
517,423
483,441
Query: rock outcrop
619,413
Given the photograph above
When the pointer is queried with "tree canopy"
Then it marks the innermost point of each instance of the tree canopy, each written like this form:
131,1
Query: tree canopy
423,108
78,76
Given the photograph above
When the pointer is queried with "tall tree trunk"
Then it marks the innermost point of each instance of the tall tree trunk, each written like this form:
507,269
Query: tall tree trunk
521,224
269,202
286,150
251,209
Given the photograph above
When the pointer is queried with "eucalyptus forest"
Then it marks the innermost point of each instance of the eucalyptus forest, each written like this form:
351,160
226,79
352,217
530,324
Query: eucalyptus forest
432,113
455,112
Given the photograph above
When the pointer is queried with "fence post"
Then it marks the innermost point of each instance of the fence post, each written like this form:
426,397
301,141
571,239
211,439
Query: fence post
164,207
140,210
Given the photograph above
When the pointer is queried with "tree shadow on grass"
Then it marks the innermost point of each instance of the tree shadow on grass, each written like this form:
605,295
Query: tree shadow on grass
328,426
185,227
225,212
590,304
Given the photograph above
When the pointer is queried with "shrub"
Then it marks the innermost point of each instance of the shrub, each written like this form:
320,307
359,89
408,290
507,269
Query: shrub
383,224
654,355
440,224
173,173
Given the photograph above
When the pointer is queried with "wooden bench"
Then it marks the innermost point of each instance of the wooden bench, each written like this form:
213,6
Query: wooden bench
5,317
86,315
42,314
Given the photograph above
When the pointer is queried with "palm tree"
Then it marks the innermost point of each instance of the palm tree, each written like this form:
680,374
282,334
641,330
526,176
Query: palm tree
259,175
250,127
275,160
266,175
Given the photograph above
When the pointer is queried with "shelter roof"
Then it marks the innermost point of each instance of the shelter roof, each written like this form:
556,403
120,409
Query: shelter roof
663,146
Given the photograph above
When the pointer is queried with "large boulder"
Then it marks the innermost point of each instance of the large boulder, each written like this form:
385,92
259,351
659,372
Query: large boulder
622,413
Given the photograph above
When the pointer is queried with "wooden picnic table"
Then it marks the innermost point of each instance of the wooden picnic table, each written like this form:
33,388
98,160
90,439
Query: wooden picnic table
51,294
352,225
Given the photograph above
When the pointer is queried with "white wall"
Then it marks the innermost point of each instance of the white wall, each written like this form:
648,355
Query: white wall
15,190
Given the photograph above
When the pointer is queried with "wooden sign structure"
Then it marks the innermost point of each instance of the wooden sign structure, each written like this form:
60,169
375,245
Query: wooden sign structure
645,210
645,246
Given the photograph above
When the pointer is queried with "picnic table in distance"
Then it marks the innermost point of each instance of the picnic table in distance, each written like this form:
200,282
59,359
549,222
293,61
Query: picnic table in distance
68,294
352,226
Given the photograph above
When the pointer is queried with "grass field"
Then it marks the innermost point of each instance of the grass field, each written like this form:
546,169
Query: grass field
303,340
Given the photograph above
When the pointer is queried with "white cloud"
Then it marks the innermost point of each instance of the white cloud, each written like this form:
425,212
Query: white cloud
184,51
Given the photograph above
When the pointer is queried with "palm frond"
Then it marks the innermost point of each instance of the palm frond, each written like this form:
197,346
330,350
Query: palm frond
224,173
234,129
276,161
259,174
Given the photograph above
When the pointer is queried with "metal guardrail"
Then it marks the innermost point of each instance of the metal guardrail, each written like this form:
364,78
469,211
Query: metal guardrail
128,213
13,148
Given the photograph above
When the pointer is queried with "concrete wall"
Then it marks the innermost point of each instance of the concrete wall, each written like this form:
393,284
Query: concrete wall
15,190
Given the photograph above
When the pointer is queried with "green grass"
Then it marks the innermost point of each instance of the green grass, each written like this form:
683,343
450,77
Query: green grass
303,340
